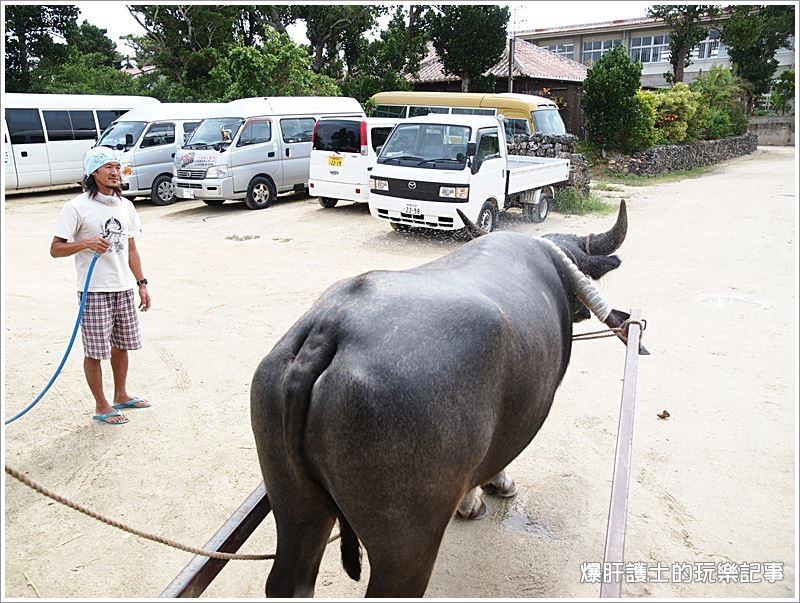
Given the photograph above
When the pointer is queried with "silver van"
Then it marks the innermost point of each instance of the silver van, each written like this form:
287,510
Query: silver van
147,139
254,148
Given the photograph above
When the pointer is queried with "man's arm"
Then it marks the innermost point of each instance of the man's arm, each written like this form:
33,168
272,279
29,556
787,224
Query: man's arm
59,248
135,263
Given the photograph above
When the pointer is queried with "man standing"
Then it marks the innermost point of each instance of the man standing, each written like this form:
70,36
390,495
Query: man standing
101,221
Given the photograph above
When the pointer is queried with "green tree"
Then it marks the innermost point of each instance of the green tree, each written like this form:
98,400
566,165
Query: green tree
753,34
721,111
609,98
28,37
89,39
81,73
468,38
689,25
783,91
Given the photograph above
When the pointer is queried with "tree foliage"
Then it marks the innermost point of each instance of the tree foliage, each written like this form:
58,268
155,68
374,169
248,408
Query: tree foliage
469,38
82,73
783,91
753,34
89,39
609,98
689,24
29,31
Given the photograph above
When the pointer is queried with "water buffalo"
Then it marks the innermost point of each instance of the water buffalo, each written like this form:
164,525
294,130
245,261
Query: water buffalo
398,394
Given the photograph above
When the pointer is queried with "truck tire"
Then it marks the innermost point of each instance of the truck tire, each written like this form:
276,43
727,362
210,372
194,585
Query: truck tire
537,213
162,192
487,217
328,202
260,194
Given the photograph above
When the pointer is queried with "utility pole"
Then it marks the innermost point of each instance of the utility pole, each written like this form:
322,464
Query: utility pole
512,42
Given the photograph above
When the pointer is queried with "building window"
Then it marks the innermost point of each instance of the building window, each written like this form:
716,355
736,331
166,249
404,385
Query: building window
563,50
650,49
592,51
710,48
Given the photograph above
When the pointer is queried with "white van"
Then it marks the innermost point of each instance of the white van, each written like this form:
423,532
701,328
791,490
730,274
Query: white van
254,148
147,139
343,153
46,135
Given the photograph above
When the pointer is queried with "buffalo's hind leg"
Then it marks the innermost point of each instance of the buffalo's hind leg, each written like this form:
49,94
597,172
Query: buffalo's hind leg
303,527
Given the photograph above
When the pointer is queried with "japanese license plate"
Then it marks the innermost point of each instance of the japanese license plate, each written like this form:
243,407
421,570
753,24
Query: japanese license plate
188,193
335,161
413,209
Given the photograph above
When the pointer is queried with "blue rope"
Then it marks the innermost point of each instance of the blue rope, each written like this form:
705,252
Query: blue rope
69,347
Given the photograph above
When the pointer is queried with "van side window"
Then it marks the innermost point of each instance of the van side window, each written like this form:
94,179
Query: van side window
417,111
83,127
255,132
297,129
379,136
58,125
516,126
106,116
469,111
159,134
24,126
394,111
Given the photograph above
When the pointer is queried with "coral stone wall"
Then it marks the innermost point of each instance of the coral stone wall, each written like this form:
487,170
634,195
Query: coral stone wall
669,158
553,145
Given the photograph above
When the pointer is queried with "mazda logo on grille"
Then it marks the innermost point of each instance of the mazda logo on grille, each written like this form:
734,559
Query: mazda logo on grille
412,185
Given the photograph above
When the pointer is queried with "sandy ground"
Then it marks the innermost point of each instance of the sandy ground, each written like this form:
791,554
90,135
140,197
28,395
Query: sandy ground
711,262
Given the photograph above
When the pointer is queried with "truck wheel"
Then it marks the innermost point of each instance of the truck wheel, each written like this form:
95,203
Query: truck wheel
260,194
328,202
213,202
399,227
487,218
537,213
162,192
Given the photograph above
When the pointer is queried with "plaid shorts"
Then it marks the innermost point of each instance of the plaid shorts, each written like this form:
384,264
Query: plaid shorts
109,319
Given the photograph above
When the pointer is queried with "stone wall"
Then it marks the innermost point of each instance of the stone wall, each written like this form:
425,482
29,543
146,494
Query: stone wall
552,145
669,158
775,130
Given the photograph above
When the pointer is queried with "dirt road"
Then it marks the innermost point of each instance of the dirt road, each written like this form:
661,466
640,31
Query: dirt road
711,262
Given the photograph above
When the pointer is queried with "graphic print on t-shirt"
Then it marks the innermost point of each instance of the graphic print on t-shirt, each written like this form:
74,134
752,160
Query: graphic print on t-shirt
112,230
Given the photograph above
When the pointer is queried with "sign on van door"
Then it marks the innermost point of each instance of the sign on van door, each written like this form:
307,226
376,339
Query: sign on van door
296,135
28,147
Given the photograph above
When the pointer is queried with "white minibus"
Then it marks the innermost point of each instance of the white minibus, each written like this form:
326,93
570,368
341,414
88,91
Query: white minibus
46,135
147,139
254,148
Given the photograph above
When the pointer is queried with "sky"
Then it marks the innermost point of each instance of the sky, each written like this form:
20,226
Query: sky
115,18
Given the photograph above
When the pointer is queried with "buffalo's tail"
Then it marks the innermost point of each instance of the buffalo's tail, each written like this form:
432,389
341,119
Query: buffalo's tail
351,550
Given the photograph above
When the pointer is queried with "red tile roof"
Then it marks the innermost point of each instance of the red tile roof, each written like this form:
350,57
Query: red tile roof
529,61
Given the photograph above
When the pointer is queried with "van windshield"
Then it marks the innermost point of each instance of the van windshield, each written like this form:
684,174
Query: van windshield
548,121
436,146
114,137
219,131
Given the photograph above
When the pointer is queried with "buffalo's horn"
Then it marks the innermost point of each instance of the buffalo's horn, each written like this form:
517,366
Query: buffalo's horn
608,242
473,230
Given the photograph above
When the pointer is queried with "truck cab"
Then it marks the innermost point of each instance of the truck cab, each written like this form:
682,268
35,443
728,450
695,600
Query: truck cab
432,165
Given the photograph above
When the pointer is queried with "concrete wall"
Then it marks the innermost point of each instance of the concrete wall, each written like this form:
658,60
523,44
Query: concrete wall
773,130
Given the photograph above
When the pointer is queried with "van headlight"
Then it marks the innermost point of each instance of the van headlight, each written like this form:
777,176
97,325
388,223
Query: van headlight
217,171
376,184
454,192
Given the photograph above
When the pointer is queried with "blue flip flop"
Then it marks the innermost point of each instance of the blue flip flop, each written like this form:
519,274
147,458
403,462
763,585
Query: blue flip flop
132,403
104,418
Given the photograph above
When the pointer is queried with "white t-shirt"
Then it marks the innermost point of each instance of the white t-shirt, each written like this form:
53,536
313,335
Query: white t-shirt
84,218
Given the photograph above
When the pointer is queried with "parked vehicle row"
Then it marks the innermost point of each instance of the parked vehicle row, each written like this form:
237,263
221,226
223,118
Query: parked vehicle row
46,135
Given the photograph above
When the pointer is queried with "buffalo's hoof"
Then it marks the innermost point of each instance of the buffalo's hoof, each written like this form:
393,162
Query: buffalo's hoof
507,489
474,511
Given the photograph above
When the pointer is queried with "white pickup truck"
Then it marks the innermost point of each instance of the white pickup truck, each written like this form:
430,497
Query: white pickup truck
432,165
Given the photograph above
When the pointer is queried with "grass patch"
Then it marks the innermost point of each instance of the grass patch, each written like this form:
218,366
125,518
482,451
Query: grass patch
603,173
604,186
242,237
570,201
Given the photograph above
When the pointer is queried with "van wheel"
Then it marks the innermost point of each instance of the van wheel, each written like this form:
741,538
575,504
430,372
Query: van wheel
537,213
213,202
163,191
328,202
487,218
260,194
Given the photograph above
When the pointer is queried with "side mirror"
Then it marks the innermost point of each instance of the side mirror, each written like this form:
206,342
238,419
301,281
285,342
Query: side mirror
472,148
128,140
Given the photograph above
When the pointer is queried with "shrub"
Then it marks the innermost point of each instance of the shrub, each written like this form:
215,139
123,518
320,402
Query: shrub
569,200
642,132
674,108
720,89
